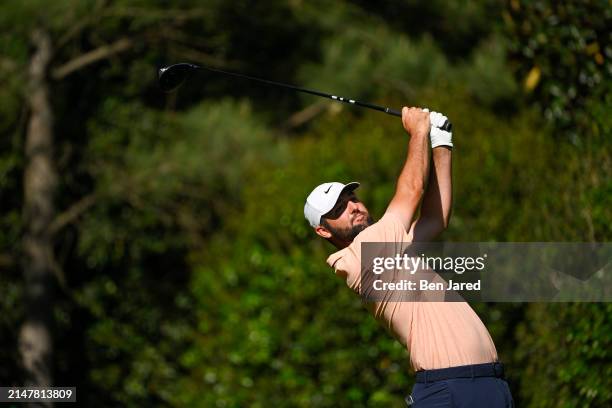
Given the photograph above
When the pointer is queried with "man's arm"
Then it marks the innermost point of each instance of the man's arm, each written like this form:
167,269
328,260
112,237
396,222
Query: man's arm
437,201
411,181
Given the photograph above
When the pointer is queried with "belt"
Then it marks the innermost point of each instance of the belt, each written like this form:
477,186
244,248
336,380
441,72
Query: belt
466,371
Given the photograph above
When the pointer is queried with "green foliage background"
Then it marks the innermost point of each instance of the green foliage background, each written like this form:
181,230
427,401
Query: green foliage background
193,279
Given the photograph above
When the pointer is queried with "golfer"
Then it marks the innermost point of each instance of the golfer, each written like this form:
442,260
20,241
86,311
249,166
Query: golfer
450,349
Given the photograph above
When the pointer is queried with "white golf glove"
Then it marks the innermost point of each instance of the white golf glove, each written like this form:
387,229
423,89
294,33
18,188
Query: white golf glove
437,136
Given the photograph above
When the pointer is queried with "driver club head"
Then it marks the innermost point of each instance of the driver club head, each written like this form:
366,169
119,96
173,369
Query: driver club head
173,76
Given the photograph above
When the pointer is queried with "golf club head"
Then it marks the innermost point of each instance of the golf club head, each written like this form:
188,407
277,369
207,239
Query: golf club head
173,76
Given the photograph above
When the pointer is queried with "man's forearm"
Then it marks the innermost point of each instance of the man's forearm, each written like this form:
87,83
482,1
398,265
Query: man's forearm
442,169
411,181
414,173
437,201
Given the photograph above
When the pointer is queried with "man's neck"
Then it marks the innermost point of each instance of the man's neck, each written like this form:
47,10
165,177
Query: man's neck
339,243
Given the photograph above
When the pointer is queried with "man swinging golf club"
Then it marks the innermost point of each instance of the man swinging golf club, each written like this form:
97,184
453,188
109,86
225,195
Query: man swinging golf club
450,349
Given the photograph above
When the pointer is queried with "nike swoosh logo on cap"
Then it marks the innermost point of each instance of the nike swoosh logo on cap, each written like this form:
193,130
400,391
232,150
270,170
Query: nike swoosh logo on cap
328,188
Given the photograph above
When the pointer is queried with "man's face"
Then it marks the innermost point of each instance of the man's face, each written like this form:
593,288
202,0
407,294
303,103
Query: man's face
348,217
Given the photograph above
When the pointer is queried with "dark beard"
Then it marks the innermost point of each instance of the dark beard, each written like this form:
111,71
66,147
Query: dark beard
349,234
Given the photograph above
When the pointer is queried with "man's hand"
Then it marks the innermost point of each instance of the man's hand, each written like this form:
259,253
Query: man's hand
438,136
416,121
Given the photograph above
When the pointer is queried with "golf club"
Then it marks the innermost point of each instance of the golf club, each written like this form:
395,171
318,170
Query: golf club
173,76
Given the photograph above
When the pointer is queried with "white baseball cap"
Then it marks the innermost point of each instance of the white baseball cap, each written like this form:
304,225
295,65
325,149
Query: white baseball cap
323,198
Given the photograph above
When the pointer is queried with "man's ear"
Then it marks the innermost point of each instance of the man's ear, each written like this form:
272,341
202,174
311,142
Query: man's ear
322,232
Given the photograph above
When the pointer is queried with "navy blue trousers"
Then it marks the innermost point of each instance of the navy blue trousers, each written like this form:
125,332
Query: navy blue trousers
479,392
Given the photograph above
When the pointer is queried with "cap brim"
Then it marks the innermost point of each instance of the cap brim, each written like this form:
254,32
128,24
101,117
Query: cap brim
353,185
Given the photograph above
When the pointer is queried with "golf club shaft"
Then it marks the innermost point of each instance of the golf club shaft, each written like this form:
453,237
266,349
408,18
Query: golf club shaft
309,91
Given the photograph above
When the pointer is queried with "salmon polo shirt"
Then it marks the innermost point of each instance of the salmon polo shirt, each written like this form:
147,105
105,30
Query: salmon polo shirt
436,334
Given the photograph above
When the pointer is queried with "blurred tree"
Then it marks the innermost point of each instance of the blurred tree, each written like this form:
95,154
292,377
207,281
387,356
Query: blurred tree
457,26
121,212
40,180
571,350
562,52
53,58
